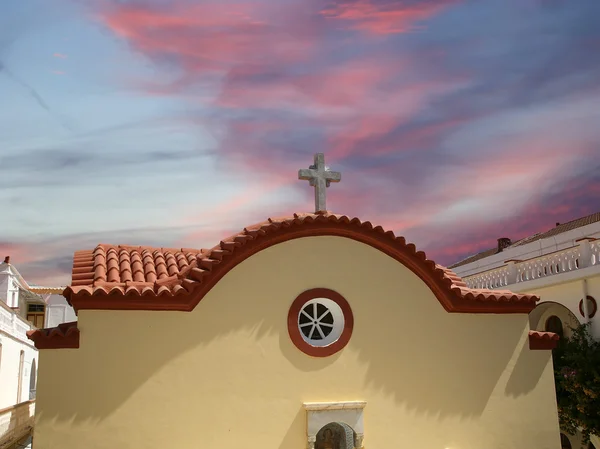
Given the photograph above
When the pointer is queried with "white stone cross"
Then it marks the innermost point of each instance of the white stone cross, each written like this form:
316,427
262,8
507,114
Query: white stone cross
319,177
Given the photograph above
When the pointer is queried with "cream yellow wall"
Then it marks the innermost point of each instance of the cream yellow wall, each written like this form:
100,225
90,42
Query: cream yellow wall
227,376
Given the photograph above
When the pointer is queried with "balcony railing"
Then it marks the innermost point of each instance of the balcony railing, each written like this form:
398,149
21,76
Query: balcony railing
13,324
585,254
16,422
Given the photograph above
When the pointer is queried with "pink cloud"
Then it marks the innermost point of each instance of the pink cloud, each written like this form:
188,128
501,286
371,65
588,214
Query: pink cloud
19,253
60,55
344,85
211,37
542,214
47,277
275,82
58,72
376,17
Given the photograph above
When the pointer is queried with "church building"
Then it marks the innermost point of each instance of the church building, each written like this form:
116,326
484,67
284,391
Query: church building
311,331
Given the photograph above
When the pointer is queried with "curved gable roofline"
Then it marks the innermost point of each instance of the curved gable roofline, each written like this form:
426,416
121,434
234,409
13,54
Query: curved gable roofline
143,278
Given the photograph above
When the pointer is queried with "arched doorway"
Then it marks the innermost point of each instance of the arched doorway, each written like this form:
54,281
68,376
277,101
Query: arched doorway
32,380
335,435
554,324
20,380
553,317
564,442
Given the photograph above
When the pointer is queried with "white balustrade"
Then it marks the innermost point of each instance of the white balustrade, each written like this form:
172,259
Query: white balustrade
585,253
496,278
548,265
13,324
6,320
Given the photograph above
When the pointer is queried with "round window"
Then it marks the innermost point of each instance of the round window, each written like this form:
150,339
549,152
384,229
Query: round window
320,322
592,306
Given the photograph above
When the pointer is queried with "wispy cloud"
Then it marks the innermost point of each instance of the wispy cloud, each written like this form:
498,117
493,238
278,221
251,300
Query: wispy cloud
454,123
384,17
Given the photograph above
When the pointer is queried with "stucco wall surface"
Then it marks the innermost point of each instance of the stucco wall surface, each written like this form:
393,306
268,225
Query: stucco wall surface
10,350
226,375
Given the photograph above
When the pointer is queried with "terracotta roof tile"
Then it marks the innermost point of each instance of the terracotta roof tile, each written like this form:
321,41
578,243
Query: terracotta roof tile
476,257
108,267
543,340
564,227
65,335
144,278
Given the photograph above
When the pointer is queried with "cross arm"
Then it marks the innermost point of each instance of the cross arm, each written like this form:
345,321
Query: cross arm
333,176
307,174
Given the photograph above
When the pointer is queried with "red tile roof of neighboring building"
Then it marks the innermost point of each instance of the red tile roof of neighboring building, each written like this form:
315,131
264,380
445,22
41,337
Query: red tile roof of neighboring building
563,227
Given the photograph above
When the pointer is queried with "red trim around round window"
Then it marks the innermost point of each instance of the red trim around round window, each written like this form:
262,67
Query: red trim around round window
294,331
592,310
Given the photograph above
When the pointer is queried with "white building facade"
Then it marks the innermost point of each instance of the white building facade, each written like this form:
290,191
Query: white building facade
42,306
23,307
561,266
18,376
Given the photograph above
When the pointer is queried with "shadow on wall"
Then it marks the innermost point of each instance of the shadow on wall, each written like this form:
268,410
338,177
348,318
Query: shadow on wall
461,356
527,371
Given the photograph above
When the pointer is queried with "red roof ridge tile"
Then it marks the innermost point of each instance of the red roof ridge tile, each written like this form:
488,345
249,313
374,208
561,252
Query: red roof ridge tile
65,335
539,340
178,279
545,335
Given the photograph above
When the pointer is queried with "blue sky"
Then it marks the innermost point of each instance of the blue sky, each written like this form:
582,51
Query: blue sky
177,123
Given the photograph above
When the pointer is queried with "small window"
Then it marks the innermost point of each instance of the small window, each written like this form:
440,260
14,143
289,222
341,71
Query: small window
32,308
36,314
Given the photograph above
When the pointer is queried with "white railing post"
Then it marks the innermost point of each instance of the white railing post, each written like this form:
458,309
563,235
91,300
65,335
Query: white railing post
595,250
13,319
511,266
585,251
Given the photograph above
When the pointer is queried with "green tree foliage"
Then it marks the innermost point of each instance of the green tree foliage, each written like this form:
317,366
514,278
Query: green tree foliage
577,376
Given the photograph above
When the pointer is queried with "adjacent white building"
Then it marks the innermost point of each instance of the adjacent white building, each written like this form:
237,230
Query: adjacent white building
561,265
18,371
42,306
23,307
